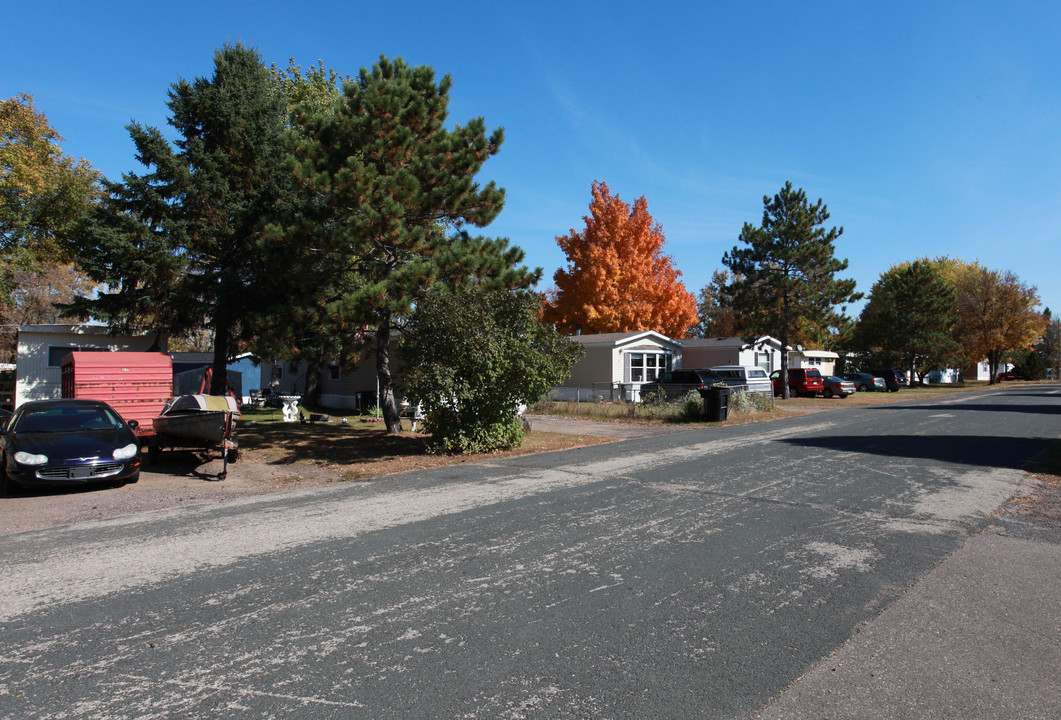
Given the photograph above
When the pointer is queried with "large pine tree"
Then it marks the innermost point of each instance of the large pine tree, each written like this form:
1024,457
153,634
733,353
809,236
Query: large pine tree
180,246
395,190
785,273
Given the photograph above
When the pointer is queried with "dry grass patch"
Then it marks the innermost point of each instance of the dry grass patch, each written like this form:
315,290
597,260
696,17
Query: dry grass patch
361,450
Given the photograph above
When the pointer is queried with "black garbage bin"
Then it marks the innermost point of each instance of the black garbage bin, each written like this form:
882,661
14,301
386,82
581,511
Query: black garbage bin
716,403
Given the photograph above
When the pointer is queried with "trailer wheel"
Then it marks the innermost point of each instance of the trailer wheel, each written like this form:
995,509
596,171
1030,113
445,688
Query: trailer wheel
232,454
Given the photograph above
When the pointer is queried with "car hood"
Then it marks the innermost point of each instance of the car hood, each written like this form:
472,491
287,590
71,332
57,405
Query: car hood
81,446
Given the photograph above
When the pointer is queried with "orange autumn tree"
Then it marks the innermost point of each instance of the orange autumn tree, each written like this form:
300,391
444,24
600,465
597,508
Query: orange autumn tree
617,278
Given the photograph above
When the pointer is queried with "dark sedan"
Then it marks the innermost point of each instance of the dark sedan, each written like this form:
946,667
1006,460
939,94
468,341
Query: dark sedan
864,382
892,378
837,387
68,442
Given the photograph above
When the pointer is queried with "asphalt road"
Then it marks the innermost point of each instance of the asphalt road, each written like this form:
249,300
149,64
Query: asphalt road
689,575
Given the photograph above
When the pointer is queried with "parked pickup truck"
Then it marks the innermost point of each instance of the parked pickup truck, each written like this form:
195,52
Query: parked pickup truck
741,377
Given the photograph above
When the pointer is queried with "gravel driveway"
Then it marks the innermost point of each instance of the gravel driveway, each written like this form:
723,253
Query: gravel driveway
189,478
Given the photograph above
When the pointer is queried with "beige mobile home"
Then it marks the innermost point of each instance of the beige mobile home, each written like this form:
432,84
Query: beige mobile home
617,364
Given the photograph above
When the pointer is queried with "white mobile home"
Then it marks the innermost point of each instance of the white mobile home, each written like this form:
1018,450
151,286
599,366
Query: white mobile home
41,349
763,352
823,360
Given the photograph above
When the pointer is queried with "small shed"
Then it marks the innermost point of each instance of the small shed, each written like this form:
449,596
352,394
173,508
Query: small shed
250,370
823,360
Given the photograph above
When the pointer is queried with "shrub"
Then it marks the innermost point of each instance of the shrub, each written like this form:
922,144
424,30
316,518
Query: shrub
692,407
474,357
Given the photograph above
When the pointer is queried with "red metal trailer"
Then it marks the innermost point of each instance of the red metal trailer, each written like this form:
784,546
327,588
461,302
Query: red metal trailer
136,384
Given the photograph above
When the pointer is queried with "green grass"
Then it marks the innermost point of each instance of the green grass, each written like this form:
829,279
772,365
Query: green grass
678,411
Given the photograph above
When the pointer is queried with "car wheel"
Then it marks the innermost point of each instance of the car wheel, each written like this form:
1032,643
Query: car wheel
828,392
863,387
7,486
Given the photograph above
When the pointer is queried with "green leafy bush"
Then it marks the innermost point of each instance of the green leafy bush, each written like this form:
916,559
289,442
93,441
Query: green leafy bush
474,356
692,406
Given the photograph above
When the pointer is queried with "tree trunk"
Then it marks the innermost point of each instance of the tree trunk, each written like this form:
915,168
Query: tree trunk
992,366
383,372
219,371
314,375
785,392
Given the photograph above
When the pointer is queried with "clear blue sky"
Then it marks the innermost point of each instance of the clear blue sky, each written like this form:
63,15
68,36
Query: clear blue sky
927,128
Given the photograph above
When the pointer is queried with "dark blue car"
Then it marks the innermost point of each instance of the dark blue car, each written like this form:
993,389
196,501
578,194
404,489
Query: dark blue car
68,443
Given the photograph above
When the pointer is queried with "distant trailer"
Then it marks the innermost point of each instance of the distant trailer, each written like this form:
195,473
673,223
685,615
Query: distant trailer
136,384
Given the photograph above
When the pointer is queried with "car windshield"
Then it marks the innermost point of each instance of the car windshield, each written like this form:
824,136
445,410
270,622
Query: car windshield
67,419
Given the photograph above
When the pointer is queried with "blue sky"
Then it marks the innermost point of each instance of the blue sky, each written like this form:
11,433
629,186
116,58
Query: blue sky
927,128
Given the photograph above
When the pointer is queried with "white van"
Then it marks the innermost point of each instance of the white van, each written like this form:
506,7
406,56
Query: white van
740,377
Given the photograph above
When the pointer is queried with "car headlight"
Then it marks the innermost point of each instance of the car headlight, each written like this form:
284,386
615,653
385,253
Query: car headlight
124,453
25,458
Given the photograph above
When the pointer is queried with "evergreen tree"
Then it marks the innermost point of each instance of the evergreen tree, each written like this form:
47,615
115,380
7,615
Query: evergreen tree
396,190
785,274
714,309
1049,345
909,320
181,245
292,323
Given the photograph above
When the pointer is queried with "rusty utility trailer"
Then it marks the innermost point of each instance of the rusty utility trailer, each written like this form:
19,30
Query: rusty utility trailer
136,384
139,386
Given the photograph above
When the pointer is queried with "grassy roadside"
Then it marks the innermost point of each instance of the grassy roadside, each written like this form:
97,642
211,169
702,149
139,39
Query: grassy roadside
636,413
360,450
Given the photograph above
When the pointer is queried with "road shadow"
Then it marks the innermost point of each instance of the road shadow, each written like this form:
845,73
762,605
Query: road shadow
1056,395
1037,409
46,491
980,450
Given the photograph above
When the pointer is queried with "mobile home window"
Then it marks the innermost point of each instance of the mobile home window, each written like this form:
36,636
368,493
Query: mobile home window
647,366
58,353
